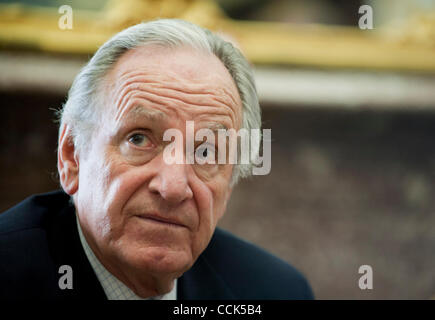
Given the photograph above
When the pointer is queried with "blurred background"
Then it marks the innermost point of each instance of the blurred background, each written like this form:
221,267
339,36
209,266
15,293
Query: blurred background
352,113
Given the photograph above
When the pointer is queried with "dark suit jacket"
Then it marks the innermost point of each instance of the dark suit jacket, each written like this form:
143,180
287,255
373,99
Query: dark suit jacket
40,234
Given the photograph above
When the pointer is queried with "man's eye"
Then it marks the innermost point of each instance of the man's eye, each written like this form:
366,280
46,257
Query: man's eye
202,151
139,140
205,153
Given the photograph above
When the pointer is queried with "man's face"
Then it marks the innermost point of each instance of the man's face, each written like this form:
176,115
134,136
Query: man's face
138,213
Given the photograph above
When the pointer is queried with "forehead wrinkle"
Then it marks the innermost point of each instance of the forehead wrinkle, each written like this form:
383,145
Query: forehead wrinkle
136,109
146,72
149,81
213,94
195,99
132,96
137,78
230,95
124,92
123,104
151,75
212,110
213,103
126,98
132,85
124,82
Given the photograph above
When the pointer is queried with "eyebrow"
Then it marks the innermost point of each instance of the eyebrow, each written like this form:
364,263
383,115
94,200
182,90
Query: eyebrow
140,111
215,126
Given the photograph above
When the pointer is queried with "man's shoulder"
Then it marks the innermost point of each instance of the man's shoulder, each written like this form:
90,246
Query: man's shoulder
37,236
253,273
24,226
32,213
25,252
26,268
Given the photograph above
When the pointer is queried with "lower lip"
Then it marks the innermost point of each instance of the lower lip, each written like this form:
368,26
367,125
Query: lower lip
163,223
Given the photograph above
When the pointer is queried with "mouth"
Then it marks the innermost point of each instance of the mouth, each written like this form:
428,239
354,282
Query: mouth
160,220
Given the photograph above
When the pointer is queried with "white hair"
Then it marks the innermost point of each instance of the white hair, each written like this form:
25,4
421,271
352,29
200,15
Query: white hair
80,112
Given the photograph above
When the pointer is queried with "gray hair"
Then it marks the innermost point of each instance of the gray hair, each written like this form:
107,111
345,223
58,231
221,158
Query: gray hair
79,110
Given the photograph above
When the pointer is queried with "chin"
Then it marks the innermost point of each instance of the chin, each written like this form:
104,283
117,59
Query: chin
160,261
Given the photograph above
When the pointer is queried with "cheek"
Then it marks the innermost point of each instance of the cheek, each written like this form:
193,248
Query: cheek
210,199
119,187
104,188
217,194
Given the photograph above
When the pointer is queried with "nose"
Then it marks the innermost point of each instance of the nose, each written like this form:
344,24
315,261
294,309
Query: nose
171,183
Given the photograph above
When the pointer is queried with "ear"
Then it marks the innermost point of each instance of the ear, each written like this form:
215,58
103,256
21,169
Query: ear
67,161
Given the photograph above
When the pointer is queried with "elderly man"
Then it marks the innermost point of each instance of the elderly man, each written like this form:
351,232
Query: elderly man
127,224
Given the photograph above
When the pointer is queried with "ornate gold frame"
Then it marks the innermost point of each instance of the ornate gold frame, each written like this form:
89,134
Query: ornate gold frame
409,49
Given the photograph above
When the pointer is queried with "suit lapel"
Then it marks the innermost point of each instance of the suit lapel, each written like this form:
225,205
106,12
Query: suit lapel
66,249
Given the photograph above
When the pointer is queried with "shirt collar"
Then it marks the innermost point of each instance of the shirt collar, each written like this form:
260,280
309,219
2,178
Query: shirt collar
112,286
